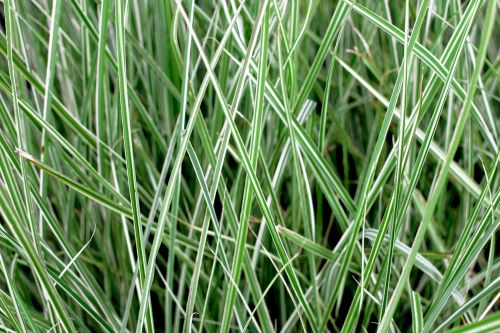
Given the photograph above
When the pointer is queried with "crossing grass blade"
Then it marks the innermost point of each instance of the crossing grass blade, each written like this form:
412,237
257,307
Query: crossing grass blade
442,177
205,166
416,309
49,79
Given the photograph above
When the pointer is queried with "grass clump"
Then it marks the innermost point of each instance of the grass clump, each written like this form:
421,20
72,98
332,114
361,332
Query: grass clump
257,166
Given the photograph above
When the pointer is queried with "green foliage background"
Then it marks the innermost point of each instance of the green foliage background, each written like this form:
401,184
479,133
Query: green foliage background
254,166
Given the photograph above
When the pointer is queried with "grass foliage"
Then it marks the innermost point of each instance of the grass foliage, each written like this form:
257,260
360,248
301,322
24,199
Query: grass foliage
250,166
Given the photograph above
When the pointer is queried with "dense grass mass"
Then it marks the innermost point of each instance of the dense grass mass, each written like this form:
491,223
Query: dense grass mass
249,166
